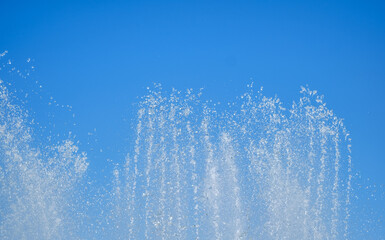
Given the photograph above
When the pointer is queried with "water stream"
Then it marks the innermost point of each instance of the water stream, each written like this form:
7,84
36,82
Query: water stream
252,168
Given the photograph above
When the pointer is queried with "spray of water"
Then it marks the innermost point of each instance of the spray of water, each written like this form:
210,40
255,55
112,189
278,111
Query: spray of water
250,169
253,171
36,182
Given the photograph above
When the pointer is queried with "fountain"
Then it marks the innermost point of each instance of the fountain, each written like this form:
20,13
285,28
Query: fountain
249,169
37,183
255,170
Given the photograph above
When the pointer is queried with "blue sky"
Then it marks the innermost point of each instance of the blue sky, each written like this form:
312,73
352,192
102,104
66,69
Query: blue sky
99,57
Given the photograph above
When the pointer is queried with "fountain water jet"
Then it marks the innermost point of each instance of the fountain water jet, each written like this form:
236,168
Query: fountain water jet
256,170
37,182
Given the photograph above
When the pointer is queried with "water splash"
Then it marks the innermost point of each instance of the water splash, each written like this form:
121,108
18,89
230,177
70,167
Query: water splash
256,170
37,182
249,169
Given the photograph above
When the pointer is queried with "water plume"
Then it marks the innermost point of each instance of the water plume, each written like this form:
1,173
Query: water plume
37,182
251,169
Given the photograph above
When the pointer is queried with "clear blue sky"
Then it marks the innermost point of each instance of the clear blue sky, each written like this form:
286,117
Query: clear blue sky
99,56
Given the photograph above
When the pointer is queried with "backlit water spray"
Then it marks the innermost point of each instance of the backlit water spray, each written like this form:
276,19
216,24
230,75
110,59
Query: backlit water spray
36,184
249,169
